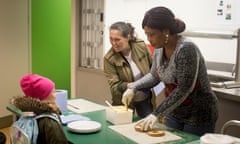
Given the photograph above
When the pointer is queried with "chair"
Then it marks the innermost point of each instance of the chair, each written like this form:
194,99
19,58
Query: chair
3,138
16,112
228,124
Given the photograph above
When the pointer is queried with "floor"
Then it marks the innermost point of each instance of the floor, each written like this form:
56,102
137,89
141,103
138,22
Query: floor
6,132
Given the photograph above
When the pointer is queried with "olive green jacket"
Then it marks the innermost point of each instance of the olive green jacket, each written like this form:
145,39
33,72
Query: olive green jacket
118,71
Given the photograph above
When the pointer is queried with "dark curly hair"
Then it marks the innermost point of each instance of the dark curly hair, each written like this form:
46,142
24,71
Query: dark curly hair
163,18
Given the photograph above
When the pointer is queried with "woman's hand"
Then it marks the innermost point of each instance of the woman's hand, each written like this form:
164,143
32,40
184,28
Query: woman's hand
148,122
127,96
129,85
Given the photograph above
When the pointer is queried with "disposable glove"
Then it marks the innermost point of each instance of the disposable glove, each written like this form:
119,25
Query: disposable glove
148,122
127,96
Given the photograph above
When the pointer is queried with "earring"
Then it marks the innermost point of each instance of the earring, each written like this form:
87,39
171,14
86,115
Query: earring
166,39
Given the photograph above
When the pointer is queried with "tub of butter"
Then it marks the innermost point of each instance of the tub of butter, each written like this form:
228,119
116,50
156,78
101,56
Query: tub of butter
119,115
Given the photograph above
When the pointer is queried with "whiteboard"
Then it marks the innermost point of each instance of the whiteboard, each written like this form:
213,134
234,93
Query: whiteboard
197,14
202,14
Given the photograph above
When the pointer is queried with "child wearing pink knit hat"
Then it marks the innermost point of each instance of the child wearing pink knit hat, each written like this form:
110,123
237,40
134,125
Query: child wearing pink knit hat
39,87
36,86
39,98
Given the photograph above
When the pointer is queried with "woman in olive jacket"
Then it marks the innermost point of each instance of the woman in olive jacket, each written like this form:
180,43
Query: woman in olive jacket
127,60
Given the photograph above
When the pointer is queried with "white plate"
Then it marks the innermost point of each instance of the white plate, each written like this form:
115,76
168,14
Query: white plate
84,126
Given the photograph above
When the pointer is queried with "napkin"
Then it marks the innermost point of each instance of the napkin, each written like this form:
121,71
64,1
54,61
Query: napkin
73,117
216,139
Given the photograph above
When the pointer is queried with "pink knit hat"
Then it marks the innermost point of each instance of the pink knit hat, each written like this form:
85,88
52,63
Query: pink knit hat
36,86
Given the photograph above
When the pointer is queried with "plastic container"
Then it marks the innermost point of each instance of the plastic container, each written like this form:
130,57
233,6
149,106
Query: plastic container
119,115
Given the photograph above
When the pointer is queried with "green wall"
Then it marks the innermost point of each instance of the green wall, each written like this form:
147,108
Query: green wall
51,30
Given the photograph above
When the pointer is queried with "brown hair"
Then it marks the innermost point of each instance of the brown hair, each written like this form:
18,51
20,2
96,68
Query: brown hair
125,28
163,18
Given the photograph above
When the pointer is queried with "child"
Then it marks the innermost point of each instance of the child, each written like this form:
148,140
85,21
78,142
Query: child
40,98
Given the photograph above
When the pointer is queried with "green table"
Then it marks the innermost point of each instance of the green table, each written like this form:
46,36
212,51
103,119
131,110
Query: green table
108,136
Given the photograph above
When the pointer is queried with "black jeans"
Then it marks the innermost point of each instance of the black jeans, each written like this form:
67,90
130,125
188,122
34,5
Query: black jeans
197,130
144,107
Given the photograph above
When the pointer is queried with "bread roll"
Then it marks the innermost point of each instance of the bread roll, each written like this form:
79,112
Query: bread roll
138,127
156,133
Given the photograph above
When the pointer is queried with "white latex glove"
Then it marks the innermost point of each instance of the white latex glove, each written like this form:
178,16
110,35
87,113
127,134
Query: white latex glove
148,122
127,96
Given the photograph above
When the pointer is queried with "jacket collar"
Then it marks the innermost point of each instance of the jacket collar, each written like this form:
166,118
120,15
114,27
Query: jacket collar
118,58
28,104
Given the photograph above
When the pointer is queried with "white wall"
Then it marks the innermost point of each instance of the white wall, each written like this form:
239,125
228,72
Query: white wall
14,49
93,85
197,14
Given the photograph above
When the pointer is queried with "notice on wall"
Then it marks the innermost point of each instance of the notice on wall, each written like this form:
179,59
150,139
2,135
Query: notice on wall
225,12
